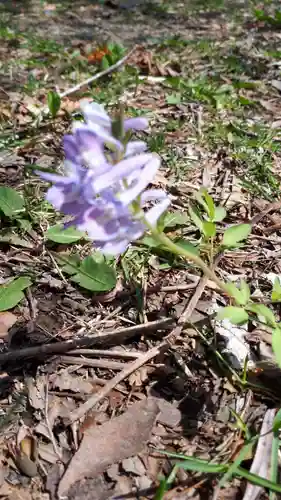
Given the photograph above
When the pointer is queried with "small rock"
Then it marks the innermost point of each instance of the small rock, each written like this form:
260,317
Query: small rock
169,415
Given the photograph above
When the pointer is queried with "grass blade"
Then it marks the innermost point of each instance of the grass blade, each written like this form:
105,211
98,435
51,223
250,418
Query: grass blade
259,481
233,467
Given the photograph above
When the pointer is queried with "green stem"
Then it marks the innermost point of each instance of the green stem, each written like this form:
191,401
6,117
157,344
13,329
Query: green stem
177,250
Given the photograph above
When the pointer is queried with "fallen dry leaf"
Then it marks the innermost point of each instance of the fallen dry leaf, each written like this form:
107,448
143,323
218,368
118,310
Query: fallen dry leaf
133,465
11,492
67,382
7,320
47,453
137,378
36,392
117,439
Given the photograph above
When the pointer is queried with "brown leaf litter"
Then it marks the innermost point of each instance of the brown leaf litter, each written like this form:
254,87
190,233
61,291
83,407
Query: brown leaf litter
120,438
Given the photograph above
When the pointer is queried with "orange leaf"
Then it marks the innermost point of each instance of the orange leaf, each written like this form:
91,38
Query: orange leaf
97,55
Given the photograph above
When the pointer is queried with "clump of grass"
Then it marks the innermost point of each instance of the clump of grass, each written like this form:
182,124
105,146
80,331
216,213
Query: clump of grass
253,149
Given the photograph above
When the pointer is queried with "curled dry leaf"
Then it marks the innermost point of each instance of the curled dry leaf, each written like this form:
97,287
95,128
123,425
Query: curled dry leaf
117,439
7,320
25,456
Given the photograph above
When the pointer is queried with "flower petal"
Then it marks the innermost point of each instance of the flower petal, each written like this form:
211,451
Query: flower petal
101,134
55,196
95,114
55,178
71,149
152,195
135,147
145,177
155,212
115,247
137,123
95,231
122,170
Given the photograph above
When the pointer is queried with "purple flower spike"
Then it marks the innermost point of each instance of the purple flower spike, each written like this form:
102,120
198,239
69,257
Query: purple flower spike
104,186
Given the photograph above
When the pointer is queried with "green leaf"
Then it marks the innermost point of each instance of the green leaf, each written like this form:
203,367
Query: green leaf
245,291
24,224
90,274
207,202
162,488
150,242
195,218
95,276
220,214
211,205
263,311
235,234
11,203
276,345
54,102
235,293
173,99
105,63
173,219
173,81
69,263
277,421
276,290
209,229
186,245
241,295
237,315
11,293
12,238
58,234
196,464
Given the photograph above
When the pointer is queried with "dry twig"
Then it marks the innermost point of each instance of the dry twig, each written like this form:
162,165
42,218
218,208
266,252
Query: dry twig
97,76
104,338
135,365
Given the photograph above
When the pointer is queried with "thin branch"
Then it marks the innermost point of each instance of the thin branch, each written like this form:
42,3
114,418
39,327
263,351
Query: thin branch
94,363
104,338
101,74
135,365
110,385
106,352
